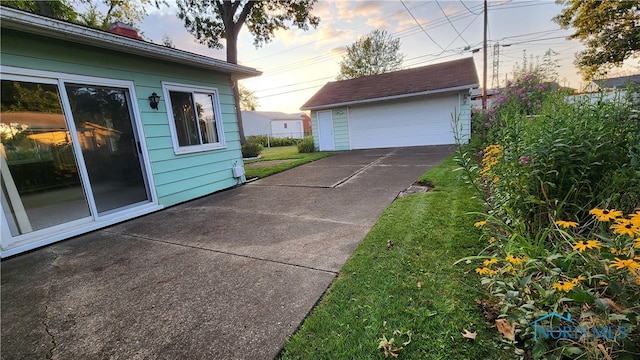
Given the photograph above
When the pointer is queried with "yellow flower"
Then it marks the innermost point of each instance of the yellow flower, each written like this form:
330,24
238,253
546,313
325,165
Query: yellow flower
564,286
486,271
495,180
492,240
615,251
625,227
583,245
515,260
635,218
490,261
605,214
566,224
480,223
629,264
576,280
636,243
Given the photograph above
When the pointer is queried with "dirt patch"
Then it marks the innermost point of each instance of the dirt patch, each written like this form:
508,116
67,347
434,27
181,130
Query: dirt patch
267,163
416,188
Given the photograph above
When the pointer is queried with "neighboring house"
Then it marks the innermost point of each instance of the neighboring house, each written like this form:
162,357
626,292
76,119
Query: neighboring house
98,128
476,97
410,107
619,83
273,124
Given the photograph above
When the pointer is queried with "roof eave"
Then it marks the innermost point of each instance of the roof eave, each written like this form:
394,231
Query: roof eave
394,97
40,25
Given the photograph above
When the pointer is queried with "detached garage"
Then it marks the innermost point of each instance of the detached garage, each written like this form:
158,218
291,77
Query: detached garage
412,107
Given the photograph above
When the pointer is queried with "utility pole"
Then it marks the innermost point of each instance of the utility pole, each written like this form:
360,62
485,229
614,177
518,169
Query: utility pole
484,73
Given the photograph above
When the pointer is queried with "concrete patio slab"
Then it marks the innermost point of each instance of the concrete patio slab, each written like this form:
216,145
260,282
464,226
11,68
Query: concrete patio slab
227,276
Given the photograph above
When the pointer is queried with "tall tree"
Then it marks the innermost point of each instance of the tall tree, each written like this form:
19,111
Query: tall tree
376,53
609,29
212,20
248,99
129,11
57,9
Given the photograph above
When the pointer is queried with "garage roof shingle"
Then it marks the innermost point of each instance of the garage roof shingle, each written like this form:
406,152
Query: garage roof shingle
451,75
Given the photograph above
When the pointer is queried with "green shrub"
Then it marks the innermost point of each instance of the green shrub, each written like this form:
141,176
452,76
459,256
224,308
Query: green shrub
250,150
306,145
267,141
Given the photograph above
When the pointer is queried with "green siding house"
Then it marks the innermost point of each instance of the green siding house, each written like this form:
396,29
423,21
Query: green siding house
98,128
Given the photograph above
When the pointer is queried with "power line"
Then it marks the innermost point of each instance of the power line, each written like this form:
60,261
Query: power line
450,23
469,10
420,25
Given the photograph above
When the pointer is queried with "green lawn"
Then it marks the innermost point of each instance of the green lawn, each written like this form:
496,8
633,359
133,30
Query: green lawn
281,153
411,286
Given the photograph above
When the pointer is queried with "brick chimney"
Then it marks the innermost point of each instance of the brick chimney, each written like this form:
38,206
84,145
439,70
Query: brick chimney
123,29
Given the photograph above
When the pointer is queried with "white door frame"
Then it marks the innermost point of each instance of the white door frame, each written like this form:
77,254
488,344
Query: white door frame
326,142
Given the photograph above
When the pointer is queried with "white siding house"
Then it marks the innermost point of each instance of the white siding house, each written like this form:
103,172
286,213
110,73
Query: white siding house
273,124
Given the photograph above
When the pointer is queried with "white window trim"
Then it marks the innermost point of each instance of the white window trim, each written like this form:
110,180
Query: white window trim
177,149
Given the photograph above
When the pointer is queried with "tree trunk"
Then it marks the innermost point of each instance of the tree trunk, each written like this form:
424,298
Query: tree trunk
232,57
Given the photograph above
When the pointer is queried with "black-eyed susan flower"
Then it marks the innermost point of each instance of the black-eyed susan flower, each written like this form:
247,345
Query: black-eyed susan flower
615,251
583,245
486,271
489,262
564,286
492,240
605,214
480,223
577,280
566,224
630,264
515,260
625,227
636,243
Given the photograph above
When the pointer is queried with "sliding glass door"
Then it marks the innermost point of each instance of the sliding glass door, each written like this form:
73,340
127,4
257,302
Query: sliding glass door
70,154
41,182
102,118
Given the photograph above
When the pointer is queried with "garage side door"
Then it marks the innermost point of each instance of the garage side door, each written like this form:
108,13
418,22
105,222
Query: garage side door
426,121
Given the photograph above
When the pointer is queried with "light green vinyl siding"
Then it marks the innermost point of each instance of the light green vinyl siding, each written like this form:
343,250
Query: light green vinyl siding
341,128
177,178
464,117
314,130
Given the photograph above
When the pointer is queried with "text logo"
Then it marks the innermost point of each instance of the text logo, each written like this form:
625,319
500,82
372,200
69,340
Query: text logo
555,326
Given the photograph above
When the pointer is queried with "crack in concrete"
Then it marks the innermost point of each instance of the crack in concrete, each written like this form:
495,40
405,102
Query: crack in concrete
45,319
226,253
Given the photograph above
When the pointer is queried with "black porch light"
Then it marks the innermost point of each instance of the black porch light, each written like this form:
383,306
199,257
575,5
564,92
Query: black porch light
154,99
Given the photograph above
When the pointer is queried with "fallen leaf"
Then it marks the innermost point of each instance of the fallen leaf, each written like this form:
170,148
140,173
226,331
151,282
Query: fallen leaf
469,335
419,285
505,328
390,244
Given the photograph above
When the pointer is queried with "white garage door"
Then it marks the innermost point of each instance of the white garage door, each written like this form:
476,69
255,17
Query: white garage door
426,121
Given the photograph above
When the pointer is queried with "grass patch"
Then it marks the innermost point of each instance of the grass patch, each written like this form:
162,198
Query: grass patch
281,153
401,277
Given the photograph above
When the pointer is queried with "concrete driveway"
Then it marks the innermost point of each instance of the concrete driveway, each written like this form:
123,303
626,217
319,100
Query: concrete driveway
227,276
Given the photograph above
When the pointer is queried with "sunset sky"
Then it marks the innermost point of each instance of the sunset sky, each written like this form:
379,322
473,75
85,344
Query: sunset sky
297,63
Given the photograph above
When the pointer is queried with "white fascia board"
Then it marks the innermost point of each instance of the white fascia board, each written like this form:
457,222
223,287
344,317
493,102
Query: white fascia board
40,25
394,97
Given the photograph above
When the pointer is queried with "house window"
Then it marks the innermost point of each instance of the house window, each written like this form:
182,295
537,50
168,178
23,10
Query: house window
194,114
285,125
